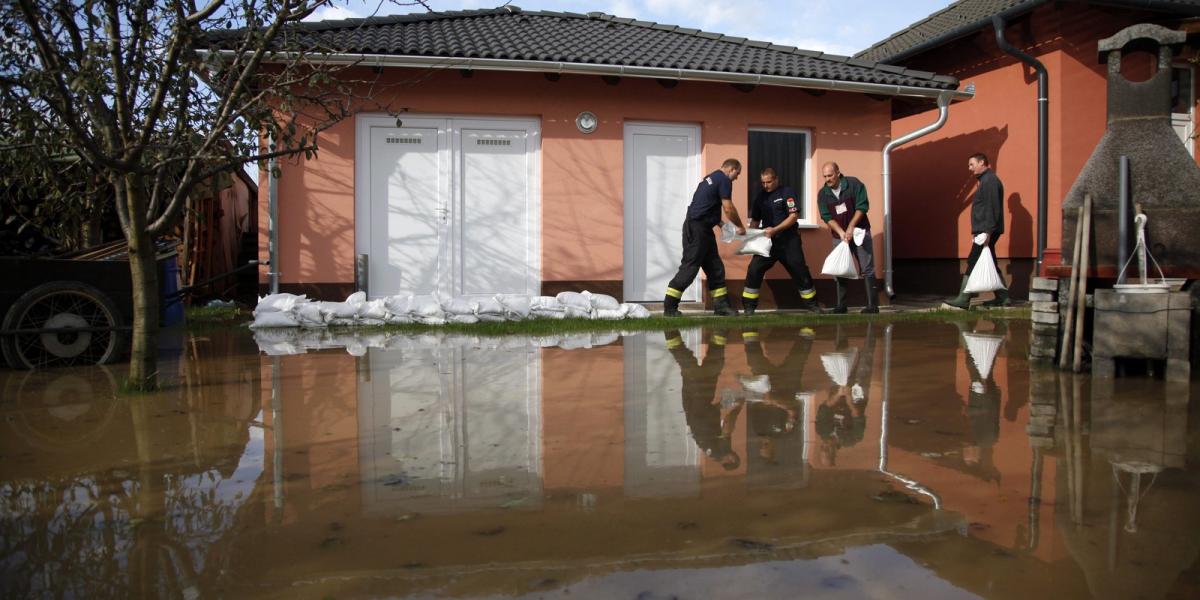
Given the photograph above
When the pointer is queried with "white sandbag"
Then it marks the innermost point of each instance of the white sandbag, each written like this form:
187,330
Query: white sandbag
343,321
489,306
606,314
274,319
983,348
573,312
840,262
344,310
432,320
486,318
605,338
278,342
984,277
574,300
426,307
516,306
399,319
760,245
462,319
308,314
602,301
549,314
635,311
460,306
373,310
371,322
400,304
277,303
839,365
576,341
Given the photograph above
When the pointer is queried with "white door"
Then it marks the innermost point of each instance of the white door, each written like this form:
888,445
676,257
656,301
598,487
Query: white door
407,222
448,205
662,168
495,197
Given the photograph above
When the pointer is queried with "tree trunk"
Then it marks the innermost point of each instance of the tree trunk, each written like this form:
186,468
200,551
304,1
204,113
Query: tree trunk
143,357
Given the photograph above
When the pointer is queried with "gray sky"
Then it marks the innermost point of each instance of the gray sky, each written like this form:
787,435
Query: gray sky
833,26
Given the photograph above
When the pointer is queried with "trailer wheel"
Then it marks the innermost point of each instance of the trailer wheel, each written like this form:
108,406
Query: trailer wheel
62,305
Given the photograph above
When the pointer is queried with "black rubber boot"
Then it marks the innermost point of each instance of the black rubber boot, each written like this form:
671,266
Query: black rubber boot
840,307
810,305
721,307
872,306
671,307
749,306
963,300
1001,299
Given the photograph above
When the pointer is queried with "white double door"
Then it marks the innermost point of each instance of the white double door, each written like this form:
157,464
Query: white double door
448,205
662,169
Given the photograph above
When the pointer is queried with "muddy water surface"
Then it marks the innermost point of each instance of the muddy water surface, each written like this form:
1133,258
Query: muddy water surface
906,460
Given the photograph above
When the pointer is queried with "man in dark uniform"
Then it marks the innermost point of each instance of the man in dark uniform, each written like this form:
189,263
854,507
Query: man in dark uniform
710,202
710,418
987,224
776,211
843,206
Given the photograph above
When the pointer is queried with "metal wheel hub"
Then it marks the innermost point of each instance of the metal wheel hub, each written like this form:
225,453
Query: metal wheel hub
66,344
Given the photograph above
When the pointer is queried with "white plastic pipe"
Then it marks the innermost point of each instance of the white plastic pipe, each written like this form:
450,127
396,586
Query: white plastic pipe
943,103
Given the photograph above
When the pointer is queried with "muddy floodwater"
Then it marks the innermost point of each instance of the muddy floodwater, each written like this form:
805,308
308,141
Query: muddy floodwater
913,459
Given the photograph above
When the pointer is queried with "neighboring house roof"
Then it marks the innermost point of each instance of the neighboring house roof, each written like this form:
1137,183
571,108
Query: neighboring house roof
585,43
967,16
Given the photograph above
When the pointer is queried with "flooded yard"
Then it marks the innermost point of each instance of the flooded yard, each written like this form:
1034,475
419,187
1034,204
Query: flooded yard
915,459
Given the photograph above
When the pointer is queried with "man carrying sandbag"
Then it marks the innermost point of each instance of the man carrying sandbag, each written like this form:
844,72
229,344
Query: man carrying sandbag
843,206
710,202
775,209
987,224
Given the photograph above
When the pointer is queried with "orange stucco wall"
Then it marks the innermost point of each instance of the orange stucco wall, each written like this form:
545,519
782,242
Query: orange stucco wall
931,185
581,175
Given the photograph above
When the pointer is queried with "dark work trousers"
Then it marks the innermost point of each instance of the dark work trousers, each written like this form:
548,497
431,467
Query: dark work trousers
699,252
785,248
976,250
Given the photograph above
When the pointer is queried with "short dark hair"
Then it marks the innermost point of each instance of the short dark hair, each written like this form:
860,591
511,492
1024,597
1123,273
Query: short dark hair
981,157
732,162
768,171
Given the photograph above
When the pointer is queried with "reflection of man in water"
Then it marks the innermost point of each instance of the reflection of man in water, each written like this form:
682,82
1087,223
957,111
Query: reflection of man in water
773,408
709,416
841,419
983,414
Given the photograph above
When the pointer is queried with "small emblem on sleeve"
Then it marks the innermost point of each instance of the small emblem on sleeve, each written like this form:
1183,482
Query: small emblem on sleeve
791,203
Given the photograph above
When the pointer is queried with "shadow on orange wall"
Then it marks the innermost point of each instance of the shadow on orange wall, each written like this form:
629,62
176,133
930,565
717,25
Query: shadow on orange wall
929,176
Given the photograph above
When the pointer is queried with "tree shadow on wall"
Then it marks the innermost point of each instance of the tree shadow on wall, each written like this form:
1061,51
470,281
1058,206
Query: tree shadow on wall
931,188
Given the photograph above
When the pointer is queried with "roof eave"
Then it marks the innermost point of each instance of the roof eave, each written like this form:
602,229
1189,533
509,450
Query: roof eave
493,64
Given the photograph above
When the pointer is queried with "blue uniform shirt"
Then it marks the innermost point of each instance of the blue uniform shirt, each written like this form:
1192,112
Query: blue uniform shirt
706,202
772,208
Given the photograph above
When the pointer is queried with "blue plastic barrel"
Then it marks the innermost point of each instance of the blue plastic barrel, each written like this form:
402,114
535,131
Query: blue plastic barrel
172,313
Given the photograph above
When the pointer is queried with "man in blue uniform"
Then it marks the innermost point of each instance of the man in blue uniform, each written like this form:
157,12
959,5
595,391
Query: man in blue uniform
711,201
843,206
987,218
776,211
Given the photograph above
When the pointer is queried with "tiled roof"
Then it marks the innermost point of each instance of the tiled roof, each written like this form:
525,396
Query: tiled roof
966,16
510,33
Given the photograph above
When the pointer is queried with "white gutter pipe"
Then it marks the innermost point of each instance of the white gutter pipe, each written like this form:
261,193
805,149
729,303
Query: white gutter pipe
541,66
943,103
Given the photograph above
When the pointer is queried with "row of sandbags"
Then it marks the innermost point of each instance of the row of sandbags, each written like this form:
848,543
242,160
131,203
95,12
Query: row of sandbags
275,341
289,310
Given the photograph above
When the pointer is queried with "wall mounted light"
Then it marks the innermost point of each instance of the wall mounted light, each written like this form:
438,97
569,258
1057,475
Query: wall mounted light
586,122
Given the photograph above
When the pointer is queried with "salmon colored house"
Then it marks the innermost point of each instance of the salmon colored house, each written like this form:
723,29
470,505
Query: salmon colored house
540,152
931,185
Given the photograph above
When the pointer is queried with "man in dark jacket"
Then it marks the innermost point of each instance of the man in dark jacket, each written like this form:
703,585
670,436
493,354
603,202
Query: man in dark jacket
776,209
843,204
987,224
711,203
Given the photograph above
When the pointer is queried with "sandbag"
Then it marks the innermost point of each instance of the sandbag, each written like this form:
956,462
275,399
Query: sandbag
839,365
426,307
574,300
607,314
754,242
840,262
636,311
274,319
573,312
277,303
516,307
308,314
984,277
373,310
603,302
460,306
400,304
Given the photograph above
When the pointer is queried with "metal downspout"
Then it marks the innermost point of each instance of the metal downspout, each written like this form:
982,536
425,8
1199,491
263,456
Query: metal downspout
273,221
1043,136
943,103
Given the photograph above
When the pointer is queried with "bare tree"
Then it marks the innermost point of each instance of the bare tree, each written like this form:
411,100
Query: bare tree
156,97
